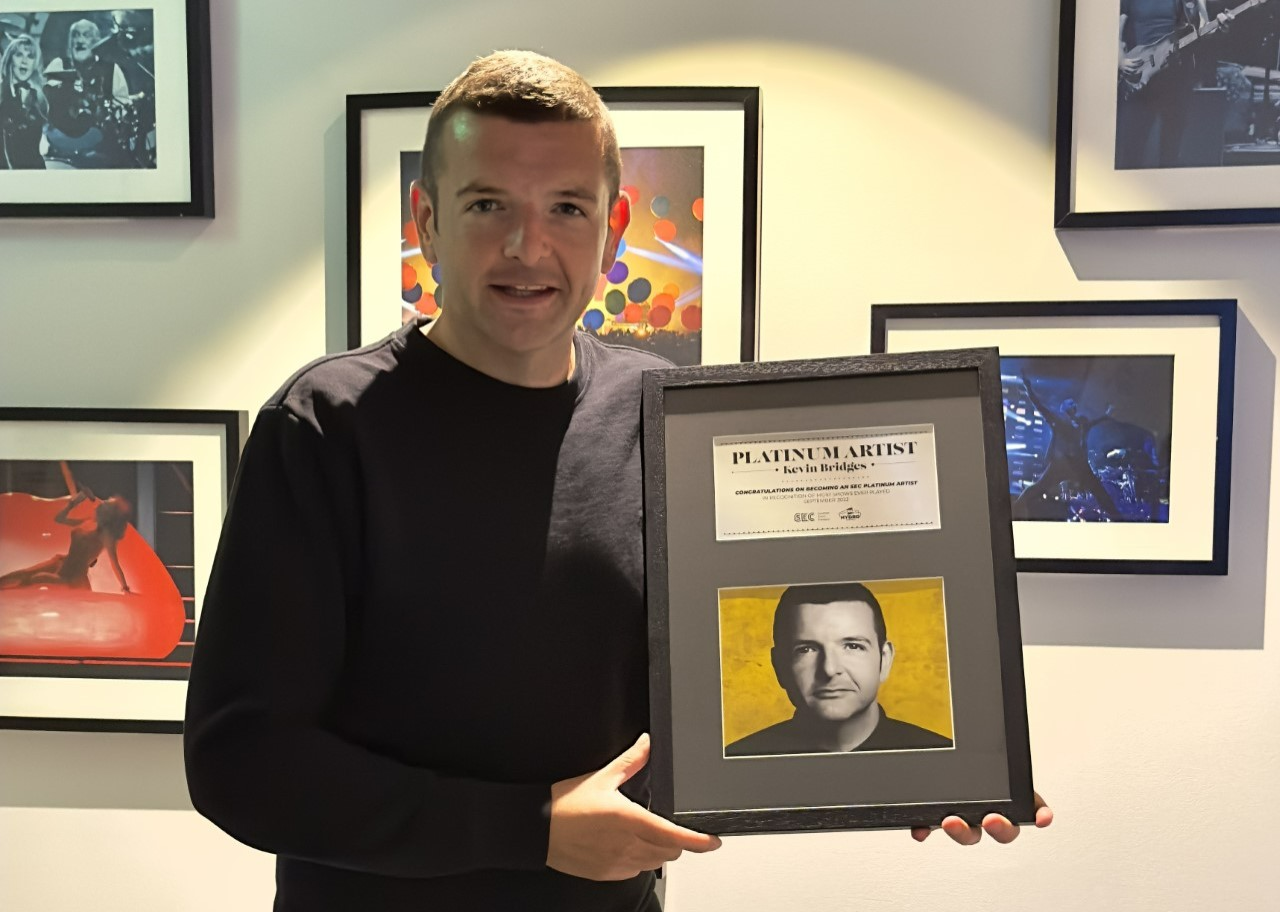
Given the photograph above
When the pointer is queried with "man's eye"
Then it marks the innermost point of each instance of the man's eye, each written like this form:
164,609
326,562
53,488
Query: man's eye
803,649
858,647
569,209
483,205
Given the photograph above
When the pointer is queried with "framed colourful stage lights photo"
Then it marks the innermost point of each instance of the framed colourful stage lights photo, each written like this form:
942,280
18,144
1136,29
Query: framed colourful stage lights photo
1117,423
684,284
109,519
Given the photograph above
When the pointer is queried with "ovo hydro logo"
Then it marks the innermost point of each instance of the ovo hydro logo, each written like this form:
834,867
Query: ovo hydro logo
848,514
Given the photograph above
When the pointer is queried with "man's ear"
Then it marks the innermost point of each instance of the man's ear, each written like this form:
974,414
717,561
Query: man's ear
886,660
619,219
782,671
423,214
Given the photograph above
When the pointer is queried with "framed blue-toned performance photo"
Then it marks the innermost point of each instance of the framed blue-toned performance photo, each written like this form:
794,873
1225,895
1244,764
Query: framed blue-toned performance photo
1117,424
1178,124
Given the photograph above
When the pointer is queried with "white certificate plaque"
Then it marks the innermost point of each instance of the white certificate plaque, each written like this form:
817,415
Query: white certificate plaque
828,482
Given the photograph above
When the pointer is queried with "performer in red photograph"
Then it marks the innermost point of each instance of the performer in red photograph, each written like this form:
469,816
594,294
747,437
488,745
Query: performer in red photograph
90,536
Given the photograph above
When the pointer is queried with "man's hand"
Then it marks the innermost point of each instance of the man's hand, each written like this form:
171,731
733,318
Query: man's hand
998,826
600,834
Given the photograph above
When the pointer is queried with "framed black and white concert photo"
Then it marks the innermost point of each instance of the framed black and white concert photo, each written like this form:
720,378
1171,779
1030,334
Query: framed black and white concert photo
834,639
1175,125
685,282
105,110
109,519
1117,424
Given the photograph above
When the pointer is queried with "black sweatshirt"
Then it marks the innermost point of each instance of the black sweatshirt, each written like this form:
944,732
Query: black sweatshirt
426,607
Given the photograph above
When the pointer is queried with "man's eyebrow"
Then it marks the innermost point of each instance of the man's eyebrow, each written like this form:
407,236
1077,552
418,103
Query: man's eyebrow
579,193
478,187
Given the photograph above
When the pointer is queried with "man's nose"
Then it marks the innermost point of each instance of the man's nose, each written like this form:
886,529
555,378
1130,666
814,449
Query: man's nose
830,663
527,239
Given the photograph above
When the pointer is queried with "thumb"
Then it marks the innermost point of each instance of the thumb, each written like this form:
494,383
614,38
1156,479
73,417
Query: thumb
629,762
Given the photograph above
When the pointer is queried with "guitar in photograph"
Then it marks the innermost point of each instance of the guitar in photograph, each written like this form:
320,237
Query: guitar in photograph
1138,65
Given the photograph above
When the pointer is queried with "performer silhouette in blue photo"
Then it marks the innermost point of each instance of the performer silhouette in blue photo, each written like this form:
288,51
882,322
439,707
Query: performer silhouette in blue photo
1068,457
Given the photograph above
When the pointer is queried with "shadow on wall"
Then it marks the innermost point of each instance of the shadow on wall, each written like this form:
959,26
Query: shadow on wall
1196,612
92,770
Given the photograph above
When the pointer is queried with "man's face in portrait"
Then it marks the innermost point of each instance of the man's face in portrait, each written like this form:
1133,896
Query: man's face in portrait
831,663
521,230
84,35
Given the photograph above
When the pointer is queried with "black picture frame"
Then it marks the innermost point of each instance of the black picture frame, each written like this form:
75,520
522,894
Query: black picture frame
183,464
1199,338
698,781
148,156
1214,171
723,121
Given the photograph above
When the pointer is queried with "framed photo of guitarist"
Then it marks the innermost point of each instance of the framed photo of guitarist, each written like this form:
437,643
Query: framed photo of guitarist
1168,113
105,110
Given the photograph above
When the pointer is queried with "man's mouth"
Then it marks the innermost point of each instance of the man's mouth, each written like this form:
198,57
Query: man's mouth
827,693
524,291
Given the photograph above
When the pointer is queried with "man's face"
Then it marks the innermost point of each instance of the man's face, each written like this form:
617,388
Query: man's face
521,231
832,665
82,41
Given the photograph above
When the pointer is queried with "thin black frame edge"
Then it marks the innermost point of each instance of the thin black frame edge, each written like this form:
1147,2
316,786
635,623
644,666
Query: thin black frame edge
752,184
1066,105
1004,572
234,421
199,111
115,726
653,452
853,817
235,425
1225,309
199,144
1020,806
1064,216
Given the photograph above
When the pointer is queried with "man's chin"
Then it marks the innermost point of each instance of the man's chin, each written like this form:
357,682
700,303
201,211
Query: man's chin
836,713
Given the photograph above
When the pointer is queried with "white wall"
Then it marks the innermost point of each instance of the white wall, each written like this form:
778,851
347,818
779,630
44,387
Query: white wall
907,157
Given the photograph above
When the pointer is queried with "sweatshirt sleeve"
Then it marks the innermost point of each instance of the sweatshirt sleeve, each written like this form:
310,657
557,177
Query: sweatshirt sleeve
269,655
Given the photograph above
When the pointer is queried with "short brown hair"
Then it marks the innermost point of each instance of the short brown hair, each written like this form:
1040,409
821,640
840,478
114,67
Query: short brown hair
525,87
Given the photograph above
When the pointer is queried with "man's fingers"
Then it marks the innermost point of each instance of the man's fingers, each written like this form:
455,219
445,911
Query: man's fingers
960,831
1044,813
999,828
662,832
659,853
628,763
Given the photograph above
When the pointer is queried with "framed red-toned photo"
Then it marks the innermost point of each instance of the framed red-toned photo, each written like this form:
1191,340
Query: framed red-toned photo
109,519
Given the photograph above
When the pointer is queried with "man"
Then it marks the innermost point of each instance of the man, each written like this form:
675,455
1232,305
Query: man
1067,460
1151,119
88,96
831,653
425,691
